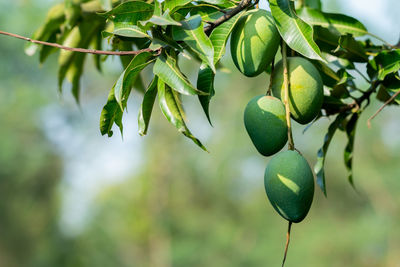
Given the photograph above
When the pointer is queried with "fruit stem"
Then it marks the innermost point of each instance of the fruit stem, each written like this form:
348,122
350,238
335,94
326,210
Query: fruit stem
270,77
286,84
287,243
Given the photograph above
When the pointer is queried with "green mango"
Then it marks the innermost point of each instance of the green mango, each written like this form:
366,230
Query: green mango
289,184
264,119
254,42
306,92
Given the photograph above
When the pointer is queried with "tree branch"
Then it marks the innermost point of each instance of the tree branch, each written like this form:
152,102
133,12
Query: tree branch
80,50
382,107
244,4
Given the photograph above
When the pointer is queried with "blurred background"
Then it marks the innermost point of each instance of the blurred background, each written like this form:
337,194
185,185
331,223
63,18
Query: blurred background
71,197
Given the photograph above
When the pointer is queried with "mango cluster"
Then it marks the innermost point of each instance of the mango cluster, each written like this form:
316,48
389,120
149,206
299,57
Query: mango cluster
288,178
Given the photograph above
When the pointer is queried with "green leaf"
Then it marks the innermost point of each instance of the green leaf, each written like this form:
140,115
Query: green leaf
316,4
138,84
74,74
98,45
329,77
130,12
388,88
45,50
171,4
321,156
124,83
341,23
126,17
171,108
55,18
295,32
72,12
161,19
386,62
80,36
348,151
220,35
205,83
216,2
333,105
167,70
111,114
147,106
192,33
207,12
351,49
340,90
326,39
130,31
163,40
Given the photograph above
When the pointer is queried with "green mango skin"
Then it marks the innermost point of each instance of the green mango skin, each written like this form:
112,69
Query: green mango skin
254,42
306,88
289,184
264,119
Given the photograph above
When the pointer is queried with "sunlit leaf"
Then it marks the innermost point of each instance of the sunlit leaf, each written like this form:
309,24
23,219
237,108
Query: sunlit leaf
160,18
207,12
130,12
126,17
220,35
341,23
192,33
167,70
297,34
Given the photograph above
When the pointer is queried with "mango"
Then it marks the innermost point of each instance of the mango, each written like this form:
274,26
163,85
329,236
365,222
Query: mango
264,119
306,88
289,184
254,42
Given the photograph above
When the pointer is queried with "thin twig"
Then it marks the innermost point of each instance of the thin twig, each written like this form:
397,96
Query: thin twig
80,50
287,243
244,4
382,107
286,84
